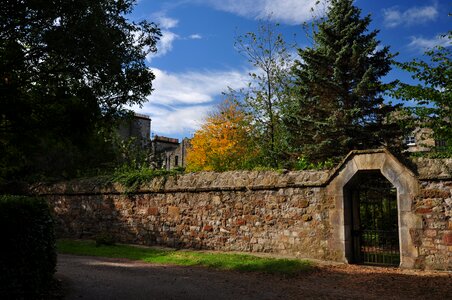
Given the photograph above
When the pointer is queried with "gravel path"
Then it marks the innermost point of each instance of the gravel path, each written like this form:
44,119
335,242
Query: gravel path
103,278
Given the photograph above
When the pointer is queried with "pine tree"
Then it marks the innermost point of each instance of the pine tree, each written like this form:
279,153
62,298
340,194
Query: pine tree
339,105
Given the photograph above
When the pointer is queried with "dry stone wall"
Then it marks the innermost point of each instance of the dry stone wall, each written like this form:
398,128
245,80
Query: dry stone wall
285,213
434,205
237,211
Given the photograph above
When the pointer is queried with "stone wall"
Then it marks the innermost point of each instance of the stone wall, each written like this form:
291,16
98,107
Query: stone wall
237,211
434,205
290,214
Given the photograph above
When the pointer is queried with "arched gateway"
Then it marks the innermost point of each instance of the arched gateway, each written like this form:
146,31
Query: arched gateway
372,218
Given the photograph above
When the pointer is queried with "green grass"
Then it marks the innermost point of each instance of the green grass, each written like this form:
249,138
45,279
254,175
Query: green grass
222,261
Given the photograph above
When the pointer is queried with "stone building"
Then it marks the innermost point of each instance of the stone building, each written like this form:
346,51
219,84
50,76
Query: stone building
168,153
420,140
138,127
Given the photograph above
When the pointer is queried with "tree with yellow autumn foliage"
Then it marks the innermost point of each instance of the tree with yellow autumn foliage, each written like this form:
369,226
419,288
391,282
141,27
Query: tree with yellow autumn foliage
223,142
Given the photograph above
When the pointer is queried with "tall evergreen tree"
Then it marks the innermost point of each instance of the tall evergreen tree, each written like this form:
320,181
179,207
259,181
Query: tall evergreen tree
339,105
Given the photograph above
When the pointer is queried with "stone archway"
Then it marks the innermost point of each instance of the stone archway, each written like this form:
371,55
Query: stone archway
407,188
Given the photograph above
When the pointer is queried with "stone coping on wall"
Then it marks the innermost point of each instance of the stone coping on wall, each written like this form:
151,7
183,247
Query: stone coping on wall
194,182
426,169
423,168
433,169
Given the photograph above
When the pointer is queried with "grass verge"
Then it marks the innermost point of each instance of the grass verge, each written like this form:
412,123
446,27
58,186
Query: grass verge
222,261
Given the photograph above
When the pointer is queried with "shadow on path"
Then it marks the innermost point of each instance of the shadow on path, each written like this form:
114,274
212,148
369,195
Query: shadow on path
104,278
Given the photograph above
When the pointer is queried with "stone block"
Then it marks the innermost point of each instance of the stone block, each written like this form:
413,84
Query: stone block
224,230
216,200
434,193
447,238
257,248
336,218
423,210
405,202
268,218
240,222
410,220
344,176
303,203
373,161
244,228
173,211
153,210
207,228
430,233
306,217
392,170
407,184
407,262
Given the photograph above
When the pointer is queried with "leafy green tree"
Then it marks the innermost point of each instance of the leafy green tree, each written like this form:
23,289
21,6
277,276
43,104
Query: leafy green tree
433,93
67,69
269,56
338,105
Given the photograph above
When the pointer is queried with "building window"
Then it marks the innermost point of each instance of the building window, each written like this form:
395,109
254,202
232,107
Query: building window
176,161
410,140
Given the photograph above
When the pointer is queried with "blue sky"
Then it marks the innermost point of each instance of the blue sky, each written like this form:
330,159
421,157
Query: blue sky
196,60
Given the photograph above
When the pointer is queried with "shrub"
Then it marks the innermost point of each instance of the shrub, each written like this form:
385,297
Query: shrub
303,164
27,254
132,178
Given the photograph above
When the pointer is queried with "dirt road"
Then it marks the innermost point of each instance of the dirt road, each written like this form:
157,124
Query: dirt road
104,278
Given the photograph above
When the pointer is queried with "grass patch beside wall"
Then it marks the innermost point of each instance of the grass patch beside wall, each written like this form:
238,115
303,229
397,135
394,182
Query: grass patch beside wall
222,261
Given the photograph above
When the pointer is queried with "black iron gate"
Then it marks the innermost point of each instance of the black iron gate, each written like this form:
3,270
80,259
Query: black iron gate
374,221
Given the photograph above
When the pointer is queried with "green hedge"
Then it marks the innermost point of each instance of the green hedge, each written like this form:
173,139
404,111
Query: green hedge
27,251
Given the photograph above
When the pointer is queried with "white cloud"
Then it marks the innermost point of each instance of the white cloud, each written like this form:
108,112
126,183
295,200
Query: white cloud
181,101
195,36
422,44
166,22
194,87
165,44
393,17
174,121
287,11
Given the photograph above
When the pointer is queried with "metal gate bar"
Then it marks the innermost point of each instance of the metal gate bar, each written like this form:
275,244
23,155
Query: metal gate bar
377,238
